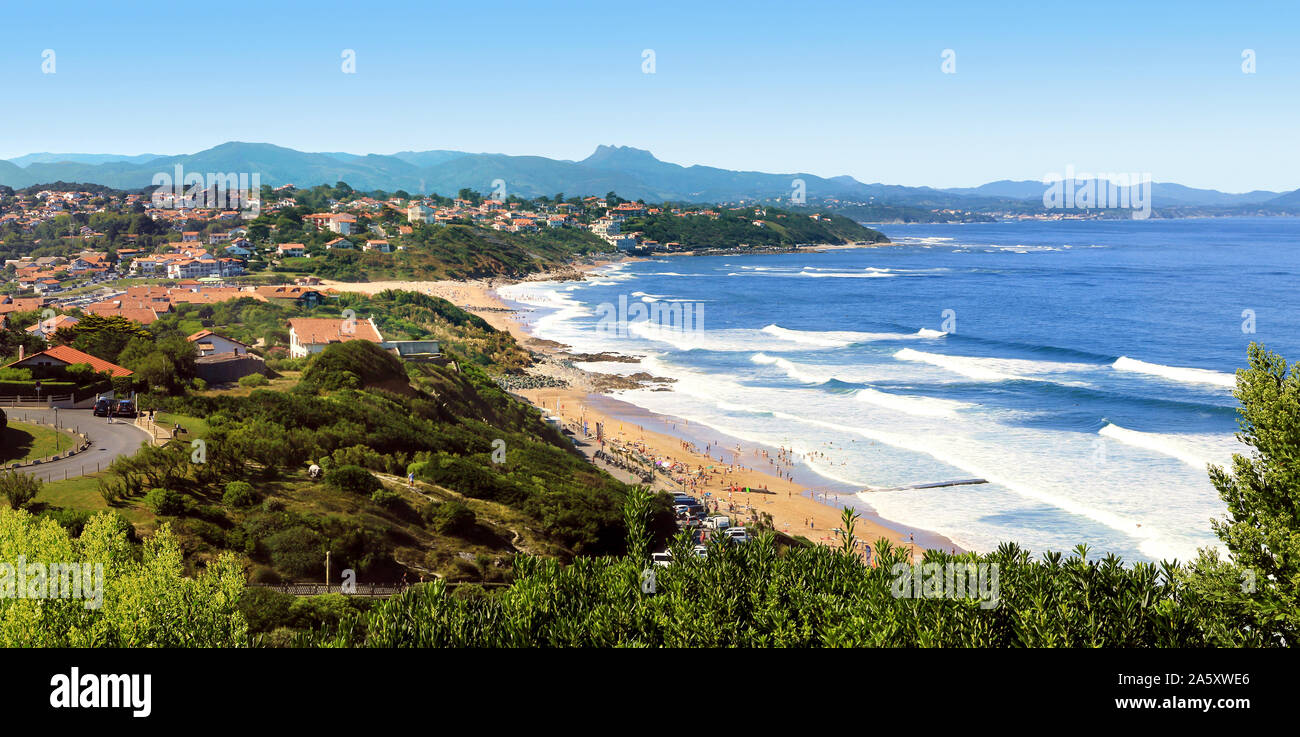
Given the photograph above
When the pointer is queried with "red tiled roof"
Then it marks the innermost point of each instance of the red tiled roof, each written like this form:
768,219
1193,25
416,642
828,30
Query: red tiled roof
318,330
69,356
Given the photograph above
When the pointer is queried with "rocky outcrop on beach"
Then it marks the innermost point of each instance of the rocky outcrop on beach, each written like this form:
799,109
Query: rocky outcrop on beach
559,371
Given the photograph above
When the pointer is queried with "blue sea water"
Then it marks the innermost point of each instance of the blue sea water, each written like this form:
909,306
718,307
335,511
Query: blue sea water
1084,368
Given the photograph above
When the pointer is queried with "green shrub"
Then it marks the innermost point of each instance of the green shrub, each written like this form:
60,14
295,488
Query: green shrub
353,364
265,609
239,494
353,479
253,380
273,505
315,612
166,502
205,531
387,499
18,488
298,551
451,518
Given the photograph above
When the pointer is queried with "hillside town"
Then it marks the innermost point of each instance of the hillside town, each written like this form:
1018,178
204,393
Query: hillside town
171,238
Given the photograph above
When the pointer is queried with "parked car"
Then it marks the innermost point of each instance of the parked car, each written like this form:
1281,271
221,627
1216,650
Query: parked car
102,406
661,559
700,551
125,408
720,522
737,535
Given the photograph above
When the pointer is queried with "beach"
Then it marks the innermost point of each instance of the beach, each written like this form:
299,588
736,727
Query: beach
718,465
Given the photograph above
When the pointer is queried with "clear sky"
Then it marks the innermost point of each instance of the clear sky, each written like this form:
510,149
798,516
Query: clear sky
827,88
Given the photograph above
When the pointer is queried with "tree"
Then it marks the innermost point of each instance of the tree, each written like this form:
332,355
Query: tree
1262,491
18,488
157,371
102,337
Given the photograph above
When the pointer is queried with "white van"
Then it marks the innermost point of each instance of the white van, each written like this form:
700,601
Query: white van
661,559
737,535
721,522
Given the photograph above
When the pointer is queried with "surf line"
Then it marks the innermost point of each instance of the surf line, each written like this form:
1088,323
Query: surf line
935,485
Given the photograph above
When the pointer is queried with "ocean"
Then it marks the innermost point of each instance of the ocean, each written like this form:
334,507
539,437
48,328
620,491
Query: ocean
1083,368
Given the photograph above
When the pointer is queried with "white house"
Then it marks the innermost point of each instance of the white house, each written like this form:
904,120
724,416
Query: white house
342,224
308,335
418,213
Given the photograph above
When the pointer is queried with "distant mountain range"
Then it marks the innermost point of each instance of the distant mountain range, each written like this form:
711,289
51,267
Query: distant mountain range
631,172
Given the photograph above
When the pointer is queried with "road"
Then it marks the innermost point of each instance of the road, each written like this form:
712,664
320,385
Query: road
106,441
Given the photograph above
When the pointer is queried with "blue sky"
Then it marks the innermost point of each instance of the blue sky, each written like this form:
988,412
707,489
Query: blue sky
827,88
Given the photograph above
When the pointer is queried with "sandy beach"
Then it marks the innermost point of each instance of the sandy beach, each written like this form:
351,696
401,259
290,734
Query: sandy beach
705,461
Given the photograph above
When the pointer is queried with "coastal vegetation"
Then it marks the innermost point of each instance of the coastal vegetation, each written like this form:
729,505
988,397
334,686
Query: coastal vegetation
765,227
250,501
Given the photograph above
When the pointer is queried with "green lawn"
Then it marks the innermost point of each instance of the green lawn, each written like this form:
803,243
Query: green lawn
83,493
195,427
20,442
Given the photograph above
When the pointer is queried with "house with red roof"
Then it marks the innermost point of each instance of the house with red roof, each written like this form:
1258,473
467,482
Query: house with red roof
62,356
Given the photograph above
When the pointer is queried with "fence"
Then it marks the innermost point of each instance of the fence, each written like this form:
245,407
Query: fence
354,589
48,401
158,434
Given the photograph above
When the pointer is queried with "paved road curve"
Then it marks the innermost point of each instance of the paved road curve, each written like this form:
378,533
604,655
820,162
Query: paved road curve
106,441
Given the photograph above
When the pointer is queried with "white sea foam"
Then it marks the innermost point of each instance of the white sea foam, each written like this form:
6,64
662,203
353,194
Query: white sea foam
920,406
837,338
1151,539
794,371
1194,450
845,274
1176,373
969,443
957,364
998,369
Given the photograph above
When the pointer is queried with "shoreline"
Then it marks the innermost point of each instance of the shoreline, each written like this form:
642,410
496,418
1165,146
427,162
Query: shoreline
714,462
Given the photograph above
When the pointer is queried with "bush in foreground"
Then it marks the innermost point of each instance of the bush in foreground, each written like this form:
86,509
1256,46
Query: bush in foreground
142,599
